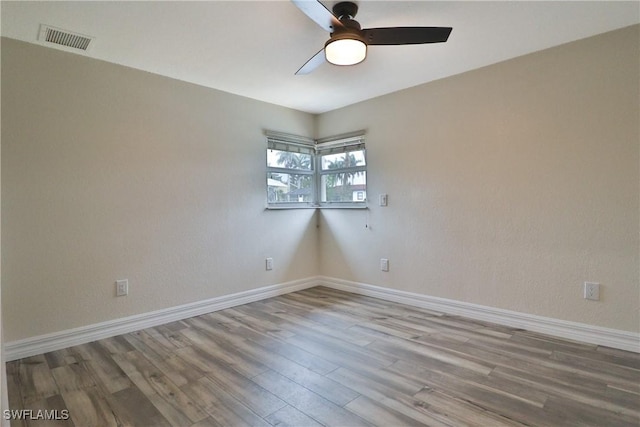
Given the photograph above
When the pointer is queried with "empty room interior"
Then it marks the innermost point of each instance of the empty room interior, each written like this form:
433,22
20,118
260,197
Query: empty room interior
208,220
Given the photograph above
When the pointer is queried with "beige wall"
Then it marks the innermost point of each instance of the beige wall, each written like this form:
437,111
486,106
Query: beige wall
112,173
4,395
509,186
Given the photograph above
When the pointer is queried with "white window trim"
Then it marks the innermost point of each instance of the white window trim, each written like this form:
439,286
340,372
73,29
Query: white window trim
353,141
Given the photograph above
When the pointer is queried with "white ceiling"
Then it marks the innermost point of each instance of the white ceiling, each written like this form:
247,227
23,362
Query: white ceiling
253,48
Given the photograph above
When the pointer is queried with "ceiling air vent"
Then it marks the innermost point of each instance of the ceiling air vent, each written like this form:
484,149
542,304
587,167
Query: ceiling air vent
64,39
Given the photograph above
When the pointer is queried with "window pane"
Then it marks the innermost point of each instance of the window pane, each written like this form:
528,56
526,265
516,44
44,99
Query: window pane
286,188
343,160
288,160
343,187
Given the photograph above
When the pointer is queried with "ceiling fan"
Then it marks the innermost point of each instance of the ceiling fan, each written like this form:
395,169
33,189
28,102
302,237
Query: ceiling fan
348,42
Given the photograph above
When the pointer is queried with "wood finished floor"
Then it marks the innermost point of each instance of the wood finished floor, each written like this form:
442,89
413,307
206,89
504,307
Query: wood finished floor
325,357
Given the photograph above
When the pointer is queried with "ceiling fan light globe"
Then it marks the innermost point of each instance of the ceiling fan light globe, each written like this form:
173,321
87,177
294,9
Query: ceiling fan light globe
345,51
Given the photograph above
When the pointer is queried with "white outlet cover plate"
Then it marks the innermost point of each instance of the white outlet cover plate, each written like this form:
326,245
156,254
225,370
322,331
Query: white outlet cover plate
122,287
592,291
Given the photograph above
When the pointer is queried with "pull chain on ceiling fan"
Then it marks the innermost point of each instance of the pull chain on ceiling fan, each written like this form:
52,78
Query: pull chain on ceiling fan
348,42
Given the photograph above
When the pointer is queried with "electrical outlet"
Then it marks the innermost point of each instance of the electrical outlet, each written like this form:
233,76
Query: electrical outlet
592,291
268,263
122,287
384,264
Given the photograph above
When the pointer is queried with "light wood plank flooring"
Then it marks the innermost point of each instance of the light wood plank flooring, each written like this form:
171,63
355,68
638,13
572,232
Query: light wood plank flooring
325,357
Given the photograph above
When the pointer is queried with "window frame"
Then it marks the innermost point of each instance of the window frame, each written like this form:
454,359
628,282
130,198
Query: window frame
293,144
318,149
339,145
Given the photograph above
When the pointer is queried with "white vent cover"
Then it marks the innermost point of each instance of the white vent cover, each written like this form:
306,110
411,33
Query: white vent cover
64,39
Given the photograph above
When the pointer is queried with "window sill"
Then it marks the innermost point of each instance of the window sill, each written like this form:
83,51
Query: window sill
279,208
344,207
284,208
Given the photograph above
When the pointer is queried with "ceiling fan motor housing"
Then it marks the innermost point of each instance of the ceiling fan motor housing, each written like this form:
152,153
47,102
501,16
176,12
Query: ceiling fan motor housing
351,29
346,33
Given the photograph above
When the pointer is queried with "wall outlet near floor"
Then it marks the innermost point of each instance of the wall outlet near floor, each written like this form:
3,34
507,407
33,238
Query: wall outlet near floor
122,287
592,291
268,264
384,264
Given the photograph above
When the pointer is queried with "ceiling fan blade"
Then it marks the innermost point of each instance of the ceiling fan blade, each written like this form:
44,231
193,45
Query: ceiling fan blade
319,14
313,63
406,35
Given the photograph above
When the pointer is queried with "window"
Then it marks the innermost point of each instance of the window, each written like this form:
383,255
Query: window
304,173
290,171
342,172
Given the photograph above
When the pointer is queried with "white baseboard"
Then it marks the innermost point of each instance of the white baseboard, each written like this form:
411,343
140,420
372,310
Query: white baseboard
560,328
58,340
571,330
